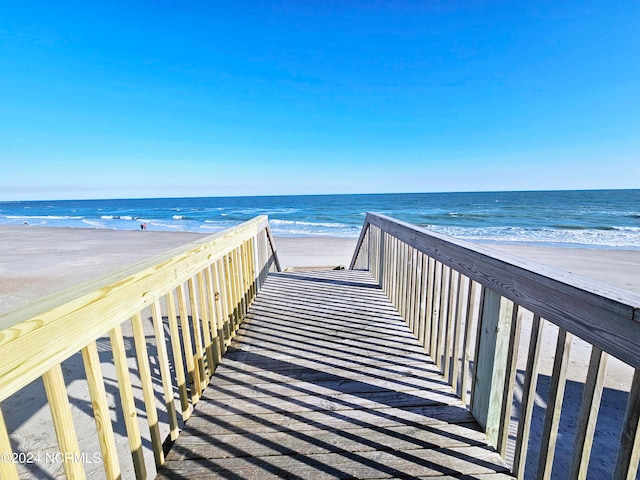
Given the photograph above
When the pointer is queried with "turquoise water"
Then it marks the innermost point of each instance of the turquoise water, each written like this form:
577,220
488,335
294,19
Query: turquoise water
597,218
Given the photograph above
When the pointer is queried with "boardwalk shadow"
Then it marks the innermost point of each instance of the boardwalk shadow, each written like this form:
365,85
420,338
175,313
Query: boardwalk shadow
605,440
324,423
314,390
329,278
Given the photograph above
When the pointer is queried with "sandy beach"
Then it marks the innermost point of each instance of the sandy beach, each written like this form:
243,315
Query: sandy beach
38,261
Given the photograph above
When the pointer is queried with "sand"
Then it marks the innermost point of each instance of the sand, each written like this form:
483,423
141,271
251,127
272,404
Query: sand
620,268
38,261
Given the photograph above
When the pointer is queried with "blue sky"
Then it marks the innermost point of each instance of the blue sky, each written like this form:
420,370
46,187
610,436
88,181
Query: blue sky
166,99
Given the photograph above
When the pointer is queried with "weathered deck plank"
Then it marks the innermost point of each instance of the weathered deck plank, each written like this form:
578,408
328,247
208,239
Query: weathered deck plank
325,380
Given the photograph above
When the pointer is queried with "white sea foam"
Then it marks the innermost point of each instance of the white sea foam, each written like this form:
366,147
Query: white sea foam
94,223
213,228
117,217
156,225
617,237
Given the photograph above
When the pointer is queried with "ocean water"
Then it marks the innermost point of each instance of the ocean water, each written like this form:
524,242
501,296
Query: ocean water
596,218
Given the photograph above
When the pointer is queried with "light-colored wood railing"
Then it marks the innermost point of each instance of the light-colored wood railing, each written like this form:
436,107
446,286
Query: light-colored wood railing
466,304
196,296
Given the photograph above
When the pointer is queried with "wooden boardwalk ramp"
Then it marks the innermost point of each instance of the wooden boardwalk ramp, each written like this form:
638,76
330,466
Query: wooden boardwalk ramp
325,380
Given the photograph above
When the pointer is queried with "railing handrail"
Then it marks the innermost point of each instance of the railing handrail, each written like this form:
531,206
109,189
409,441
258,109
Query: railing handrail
603,315
41,335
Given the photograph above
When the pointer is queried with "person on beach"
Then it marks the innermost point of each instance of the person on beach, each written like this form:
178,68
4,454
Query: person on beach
143,226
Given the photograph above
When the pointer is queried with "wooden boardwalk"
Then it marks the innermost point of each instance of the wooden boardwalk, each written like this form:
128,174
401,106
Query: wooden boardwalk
324,380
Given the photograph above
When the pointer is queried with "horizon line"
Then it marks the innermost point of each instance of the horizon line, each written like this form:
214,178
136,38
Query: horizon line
322,194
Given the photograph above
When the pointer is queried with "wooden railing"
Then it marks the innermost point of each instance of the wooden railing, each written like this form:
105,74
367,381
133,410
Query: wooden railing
467,304
195,298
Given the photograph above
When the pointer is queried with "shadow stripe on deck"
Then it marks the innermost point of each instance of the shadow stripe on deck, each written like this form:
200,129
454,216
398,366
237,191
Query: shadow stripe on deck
324,380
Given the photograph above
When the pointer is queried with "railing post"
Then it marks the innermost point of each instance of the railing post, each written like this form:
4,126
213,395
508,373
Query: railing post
381,260
490,363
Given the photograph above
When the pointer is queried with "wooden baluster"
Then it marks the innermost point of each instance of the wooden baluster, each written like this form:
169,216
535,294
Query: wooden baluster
528,397
422,293
380,260
450,327
235,290
146,382
192,368
165,369
588,417
231,290
416,294
63,422
391,271
443,316
409,278
510,380
373,255
206,326
399,275
240,278
435,312
251,270
255,253
483,291
127,399
221,304
466,344
231,312
197,336
95,381
461,311
394,269
213,316
225,299
246,283
629,451
411,291
261,257
8,469
176,348
405,278
386,258
247,273
554,404
428,326
238,284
